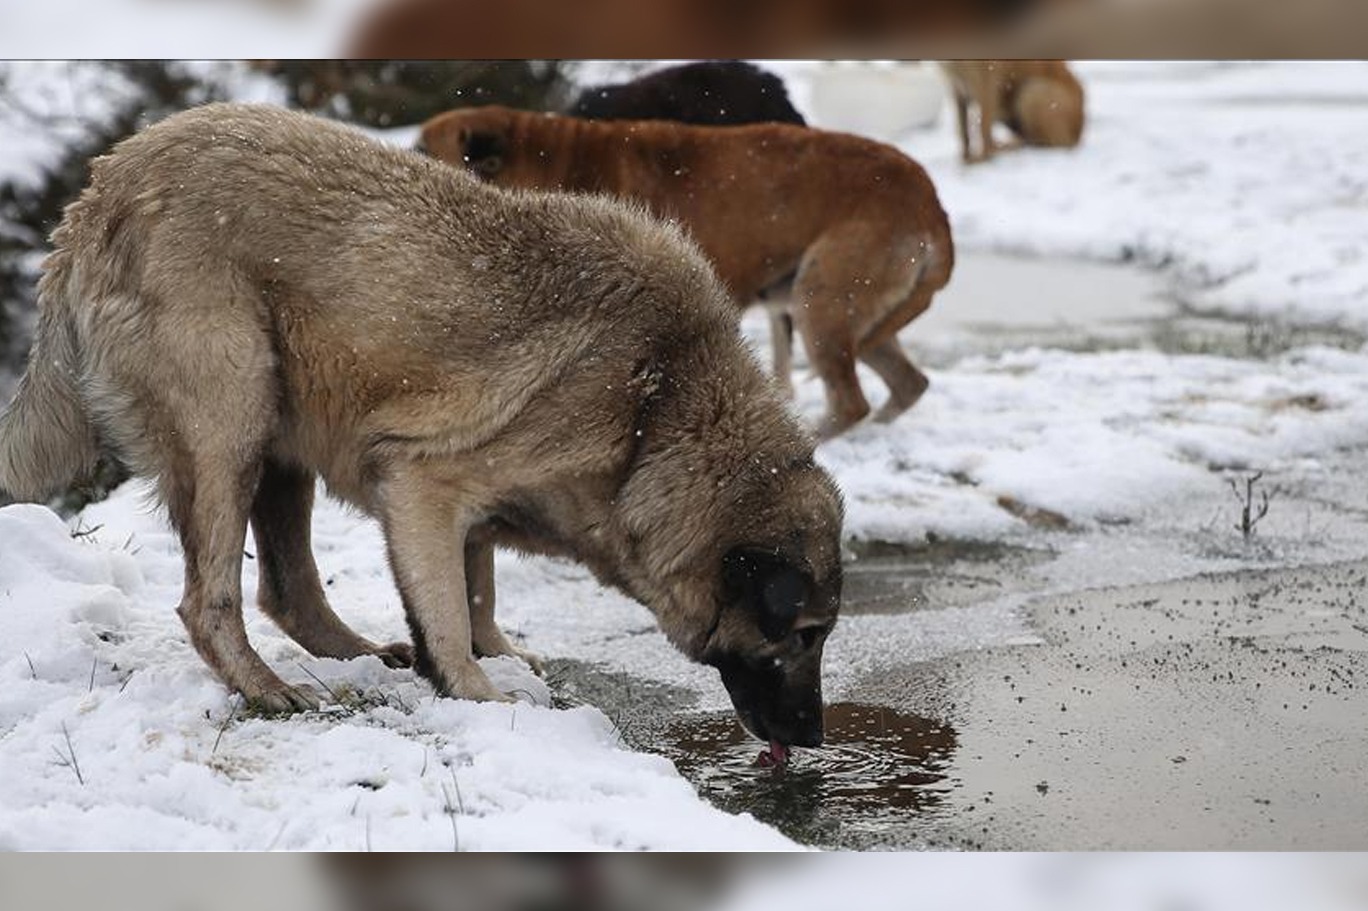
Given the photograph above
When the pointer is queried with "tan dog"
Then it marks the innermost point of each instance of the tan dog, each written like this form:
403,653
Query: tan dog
1040,101
855,223
245,298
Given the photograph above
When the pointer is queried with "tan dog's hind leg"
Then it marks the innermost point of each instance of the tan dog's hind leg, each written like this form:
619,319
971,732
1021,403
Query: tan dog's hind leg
485,636
419,528
197,418
289,590
208,500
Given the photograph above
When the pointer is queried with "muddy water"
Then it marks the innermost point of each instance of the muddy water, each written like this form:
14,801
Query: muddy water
878,768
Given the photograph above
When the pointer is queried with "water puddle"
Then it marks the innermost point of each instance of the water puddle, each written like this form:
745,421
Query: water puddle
879,771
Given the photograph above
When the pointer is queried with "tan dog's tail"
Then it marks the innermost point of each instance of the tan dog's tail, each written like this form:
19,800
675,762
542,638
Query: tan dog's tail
1050,113
46,438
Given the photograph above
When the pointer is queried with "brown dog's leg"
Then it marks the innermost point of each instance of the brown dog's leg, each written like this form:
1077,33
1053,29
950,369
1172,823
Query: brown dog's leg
207,499
485,636
289,590
906,383
988,115
781,341
962,114
831,351
419,526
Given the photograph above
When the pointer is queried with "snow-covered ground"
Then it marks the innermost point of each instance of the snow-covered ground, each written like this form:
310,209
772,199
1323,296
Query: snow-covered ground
114,735
1247,185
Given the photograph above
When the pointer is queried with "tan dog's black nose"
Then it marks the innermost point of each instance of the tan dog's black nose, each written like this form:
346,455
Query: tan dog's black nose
809,731
419,146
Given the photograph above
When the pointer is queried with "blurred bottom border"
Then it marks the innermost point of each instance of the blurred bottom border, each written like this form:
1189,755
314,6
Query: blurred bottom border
701,882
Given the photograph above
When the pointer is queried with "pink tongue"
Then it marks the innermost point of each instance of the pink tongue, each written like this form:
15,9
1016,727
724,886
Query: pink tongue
778,752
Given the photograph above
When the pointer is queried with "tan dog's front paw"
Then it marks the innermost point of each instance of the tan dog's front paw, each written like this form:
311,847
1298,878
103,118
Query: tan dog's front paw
279,699
493,643
532,659
469,681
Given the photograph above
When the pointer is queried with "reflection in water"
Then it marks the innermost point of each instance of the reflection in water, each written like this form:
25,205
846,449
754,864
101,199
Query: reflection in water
877,766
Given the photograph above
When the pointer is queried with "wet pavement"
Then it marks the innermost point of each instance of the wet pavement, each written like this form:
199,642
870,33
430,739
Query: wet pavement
1223,712
1091,306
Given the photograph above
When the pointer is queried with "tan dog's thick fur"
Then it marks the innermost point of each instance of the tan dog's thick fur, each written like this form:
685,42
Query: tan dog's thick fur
1040,101
855,223
245,298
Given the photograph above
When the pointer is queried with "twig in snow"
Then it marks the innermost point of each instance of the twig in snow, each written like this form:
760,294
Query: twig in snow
91,687
223,727
279,832
79,532
69,759
327,688
451,812
1250,513
455,784
32,669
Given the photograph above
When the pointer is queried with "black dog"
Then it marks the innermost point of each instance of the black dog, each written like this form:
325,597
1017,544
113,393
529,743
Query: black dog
709,93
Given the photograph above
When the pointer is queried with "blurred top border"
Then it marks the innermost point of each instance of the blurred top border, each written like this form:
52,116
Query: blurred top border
429,29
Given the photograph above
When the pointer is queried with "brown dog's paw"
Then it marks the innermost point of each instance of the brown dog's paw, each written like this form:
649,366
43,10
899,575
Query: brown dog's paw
396,655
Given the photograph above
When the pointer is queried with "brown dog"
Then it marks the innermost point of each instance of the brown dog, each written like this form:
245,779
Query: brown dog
245,299
677,28
1040,101
855,223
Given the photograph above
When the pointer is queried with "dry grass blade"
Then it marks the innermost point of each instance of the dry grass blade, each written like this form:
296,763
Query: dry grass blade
68,760
326,688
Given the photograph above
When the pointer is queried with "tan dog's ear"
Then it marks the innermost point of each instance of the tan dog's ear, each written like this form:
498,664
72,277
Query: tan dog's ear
769,587
483,153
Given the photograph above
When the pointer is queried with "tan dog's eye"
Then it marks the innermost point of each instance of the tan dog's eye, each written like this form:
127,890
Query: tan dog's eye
486,167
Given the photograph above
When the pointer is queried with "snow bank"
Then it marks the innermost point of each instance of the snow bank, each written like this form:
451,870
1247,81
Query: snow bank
1102,437
114,735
